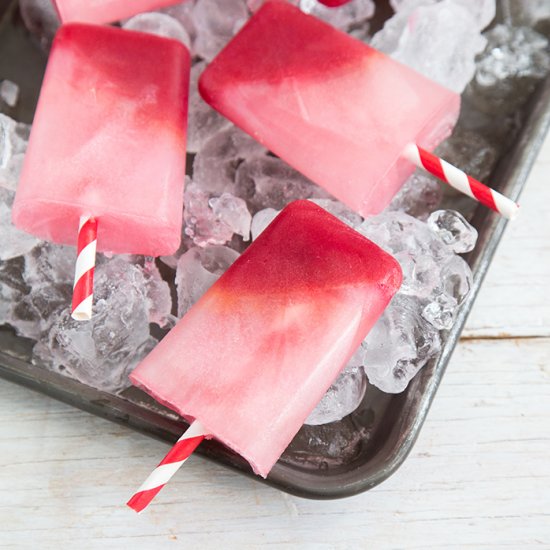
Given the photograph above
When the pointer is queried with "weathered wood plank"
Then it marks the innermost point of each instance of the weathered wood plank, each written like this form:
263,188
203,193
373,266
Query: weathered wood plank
479,475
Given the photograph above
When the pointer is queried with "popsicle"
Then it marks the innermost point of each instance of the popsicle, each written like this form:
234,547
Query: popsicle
334,108
257,352
105,11
108,143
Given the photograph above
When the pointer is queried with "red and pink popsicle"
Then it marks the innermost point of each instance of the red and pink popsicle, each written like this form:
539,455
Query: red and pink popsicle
345,115
107,148
285,318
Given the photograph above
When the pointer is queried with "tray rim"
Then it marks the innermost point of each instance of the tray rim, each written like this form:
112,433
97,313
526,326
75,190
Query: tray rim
513,171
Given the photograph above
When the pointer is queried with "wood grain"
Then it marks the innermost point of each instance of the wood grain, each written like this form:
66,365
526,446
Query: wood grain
514,300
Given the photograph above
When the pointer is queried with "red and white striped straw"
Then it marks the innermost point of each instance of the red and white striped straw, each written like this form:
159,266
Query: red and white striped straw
83,289
461,181
167,467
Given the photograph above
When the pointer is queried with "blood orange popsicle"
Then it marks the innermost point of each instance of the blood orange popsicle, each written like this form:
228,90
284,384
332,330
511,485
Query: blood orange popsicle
105,11
332,107
255,355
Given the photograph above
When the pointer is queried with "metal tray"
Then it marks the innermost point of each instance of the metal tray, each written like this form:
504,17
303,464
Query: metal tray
368,445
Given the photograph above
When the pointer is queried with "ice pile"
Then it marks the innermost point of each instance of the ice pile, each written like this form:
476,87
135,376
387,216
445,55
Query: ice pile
515,60
438,39
436,282
102,352
13,144
343,397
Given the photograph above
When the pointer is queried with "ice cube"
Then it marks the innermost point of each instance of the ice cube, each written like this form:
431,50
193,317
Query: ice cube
440,312
159,300
398,232
9,92
48,273
201,222
217,21
183,12
439,40
12,287
14,138
342,212
268,182
456,278
453,230
14,241
160,24
232,211
341,399
420,274
399,345
261,220
419,196
482,11
216,164
354,13
197,270
102,352
203,122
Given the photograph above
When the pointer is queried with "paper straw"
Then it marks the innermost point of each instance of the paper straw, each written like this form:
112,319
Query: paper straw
167,467
83,289
461,181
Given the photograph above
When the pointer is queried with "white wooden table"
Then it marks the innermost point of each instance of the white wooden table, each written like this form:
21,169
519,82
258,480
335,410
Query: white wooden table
479,475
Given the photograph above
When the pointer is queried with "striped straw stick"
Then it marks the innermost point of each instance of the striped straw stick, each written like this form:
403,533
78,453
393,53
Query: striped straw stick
462,182
83,289
167,467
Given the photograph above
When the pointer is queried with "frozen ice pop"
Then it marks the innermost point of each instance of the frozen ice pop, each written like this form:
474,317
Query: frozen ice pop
257,352
332,107
108,141
105,11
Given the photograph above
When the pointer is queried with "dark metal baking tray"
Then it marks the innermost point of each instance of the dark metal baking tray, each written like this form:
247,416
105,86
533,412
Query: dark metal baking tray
370,444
